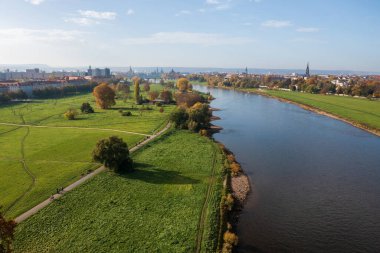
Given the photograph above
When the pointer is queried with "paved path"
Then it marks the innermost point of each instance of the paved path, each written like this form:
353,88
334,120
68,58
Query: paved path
81,128
43,204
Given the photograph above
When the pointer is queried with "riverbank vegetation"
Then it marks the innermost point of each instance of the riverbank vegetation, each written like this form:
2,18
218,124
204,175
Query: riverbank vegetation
170,203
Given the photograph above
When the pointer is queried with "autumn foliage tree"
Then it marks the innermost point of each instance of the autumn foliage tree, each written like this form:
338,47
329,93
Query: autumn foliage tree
166,95
7,229
136,82
104,96
183,84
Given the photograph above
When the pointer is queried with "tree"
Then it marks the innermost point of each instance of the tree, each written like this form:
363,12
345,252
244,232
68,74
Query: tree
146,87
166,95
183,84
71,114
153,95
104,96
86,108
7,229
136,82
113,153
179,117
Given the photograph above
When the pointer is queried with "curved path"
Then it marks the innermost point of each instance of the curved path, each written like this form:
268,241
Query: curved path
43,204
81,128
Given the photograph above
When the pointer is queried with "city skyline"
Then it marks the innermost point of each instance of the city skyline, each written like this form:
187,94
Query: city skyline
268,34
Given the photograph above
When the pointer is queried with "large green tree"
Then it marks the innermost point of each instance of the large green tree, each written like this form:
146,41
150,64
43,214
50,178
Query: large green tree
113,153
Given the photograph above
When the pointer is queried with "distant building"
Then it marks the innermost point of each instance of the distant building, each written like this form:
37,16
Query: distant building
106,72
307,74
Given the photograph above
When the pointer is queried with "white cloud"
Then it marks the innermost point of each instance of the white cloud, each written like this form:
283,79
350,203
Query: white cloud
22,35
130,12
89,17
98,15
183,12
204,39
307,29
277,23
212,2
35,2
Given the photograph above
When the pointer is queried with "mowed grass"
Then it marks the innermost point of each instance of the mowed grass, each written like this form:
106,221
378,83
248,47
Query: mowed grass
358,110
34,162
153,209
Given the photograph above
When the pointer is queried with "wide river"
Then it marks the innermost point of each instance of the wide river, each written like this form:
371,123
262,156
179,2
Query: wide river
315,180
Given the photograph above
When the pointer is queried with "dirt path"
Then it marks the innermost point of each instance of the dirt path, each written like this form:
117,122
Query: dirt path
81,128
202,217
43,204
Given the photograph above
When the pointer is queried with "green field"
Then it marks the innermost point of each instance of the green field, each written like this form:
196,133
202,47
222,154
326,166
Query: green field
34,161
157,208
358,110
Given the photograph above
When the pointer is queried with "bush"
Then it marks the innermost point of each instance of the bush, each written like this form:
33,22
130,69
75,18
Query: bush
203,132
179,117
231,158
86,108
228,202
128,113
113,153
158,104
230,238
235,168
161,110
71,114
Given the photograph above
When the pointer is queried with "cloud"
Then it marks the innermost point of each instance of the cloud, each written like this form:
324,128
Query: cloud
89,17
220,4
307,29
204,39
308,40
183,12
98,15
130,12
35,2
22,35
277,23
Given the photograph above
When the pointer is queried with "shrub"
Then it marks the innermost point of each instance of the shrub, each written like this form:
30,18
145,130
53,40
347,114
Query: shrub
230,238
161,110
203,132
86,108
231,158
179,117
71,114
235,168
228,201
158,104
128,113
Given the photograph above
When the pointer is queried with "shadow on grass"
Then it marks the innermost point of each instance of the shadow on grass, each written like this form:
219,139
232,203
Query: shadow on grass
149,174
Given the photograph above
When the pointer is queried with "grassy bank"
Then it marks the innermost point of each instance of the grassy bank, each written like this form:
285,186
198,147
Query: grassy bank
157,208
34,161
361,112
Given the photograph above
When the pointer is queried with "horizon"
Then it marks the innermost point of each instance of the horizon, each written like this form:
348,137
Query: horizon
260,34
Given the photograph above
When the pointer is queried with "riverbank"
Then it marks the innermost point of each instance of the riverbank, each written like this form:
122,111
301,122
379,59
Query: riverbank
372,130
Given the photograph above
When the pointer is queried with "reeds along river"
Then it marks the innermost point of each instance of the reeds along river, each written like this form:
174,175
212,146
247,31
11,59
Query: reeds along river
315,180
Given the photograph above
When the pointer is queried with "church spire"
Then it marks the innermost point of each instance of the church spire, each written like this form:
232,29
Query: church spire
307,74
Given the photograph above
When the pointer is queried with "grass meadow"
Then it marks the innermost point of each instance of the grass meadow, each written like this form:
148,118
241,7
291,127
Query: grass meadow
156,208
34,161
358,110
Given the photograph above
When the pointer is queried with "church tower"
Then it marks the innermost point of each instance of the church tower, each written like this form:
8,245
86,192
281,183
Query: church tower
307,74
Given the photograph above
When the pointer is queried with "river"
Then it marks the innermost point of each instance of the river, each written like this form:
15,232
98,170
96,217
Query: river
315,180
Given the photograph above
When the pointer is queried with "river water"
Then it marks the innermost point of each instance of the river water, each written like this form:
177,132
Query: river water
315,180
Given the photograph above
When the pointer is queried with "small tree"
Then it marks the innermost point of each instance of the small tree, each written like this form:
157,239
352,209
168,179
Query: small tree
86,108
71,114
7,229
166,95
146,87
183,84
113,153
153,95
136,82
104,96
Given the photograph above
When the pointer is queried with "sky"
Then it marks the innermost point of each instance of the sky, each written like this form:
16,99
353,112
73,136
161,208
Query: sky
276,34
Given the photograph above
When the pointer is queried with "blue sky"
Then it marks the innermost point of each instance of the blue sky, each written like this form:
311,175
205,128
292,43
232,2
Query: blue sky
335,34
